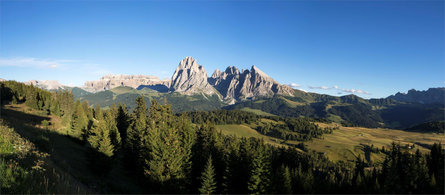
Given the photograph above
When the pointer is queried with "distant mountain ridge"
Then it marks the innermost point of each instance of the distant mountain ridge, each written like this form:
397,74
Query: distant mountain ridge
46,84
112,81
191,78
432,95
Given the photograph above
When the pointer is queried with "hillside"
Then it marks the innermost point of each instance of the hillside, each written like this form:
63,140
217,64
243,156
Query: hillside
58,157
344,143
348,110
152,150
128,95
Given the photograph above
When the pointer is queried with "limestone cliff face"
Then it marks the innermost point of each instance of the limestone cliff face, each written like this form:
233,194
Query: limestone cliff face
135,81
46,84
190,78
233,84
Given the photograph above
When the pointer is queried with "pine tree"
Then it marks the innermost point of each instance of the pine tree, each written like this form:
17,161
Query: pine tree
284,181
208,183
87,110
100,142
122,122
135,131
100,138
98,115
188,139
165,159
259,174
79,122
110,122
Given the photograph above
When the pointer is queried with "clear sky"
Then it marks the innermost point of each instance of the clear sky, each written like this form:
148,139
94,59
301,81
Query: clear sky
369,48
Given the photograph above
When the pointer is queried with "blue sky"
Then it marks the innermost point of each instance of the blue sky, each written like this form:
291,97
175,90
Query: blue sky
369,48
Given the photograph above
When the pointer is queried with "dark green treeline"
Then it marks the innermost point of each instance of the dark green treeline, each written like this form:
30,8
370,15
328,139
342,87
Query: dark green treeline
167,153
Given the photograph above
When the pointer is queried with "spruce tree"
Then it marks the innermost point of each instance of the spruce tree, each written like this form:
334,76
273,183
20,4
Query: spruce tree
135,131
98,115
208,183
100,142
165,159
110,122
79,122
260,171
188,139
284,181
122,122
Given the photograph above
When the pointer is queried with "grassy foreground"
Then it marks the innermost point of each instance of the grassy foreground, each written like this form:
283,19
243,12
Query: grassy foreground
35,145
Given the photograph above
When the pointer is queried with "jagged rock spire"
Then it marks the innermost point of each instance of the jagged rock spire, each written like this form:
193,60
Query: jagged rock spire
190,78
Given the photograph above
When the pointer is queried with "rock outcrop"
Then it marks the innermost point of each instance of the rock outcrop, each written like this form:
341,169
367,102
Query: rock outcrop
135,81
191,78
46,84
248,84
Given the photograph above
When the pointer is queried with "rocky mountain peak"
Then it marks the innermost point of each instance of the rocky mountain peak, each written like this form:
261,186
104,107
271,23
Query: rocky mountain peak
231,70
46,84
236,85
257,71
217,73
190,78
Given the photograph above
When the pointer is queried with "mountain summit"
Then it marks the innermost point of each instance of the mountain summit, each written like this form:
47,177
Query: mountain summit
190,78
247,84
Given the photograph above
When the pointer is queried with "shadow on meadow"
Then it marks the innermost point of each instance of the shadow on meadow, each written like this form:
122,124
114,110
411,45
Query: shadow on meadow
67,154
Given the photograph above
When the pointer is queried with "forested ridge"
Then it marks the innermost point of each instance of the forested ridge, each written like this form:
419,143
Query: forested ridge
162,152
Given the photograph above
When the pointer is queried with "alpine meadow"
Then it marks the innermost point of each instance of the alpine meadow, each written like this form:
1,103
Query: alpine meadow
344,97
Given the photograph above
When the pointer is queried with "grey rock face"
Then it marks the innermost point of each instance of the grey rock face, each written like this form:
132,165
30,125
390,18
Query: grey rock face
46,84
190,78
248,84
111,81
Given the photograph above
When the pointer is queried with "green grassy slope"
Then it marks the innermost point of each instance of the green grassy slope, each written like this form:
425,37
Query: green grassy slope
64,153
128,95
346,143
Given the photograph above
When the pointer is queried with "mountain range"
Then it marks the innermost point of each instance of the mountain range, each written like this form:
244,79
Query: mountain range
190,88
191,78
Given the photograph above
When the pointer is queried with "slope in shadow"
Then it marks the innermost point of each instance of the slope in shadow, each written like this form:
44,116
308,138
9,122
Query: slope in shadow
157,87
66,152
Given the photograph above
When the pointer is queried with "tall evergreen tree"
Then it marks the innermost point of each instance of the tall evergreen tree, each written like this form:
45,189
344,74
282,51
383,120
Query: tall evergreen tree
110,122
188,138
208,183
134,132
122,122
102,148
260,171
79,122
100,138
165,159
284,181
98,115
